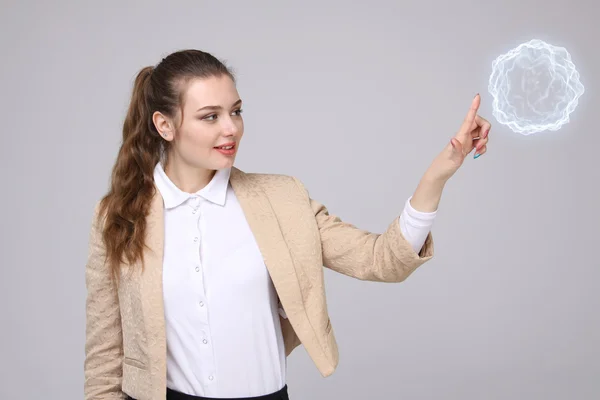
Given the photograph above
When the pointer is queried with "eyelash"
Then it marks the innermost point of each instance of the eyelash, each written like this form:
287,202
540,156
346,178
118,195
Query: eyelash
239,111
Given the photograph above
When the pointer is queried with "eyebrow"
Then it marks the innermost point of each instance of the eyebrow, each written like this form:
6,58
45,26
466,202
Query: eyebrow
218,107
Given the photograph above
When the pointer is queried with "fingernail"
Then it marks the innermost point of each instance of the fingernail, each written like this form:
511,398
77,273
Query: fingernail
476,156
486,133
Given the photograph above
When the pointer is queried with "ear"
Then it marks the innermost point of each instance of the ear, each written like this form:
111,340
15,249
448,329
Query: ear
163,125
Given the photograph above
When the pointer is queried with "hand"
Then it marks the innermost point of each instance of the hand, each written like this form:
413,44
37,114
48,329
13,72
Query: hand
473,134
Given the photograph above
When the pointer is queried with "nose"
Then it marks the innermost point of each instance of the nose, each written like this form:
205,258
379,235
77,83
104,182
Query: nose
230,128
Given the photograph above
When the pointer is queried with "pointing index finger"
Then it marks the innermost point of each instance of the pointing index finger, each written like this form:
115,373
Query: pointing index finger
470,118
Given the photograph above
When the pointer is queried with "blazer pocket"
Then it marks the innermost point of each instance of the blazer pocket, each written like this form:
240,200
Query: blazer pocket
134,363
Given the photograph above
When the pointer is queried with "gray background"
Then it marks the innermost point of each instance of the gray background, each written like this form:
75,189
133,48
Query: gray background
355,100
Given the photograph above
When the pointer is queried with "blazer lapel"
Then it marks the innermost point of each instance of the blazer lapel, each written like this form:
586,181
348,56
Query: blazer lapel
267,233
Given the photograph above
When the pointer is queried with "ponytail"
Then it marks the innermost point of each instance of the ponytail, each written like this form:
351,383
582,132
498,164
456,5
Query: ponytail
127,203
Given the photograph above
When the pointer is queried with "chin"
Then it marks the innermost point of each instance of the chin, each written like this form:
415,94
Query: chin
225,164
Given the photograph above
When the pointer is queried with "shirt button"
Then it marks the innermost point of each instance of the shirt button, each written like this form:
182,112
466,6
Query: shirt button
201,304
194,212
196,239
210,378
204,341
197,269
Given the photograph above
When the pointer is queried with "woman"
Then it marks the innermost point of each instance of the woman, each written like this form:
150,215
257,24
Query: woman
202,278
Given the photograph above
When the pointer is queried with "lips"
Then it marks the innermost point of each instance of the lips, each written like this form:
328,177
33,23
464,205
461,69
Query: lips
227,149
226,146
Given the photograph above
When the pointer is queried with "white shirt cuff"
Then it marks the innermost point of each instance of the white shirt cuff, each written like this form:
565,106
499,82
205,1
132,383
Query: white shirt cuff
415,225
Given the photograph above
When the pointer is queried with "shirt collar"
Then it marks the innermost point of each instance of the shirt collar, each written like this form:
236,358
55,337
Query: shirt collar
215,191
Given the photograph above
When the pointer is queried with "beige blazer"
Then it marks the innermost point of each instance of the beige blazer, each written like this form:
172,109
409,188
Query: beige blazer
125,328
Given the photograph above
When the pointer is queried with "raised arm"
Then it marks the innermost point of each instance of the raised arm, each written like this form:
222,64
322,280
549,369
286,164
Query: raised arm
386,257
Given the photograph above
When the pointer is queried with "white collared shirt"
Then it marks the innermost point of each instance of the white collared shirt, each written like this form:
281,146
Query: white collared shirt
223,332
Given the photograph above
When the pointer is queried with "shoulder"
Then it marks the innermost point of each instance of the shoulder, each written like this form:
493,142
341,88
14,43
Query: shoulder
270,182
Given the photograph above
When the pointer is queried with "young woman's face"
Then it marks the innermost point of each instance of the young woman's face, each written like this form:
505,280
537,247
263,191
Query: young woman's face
212,127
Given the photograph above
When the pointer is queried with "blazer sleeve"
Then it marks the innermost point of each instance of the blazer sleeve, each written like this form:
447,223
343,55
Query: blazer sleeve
386,257
103,366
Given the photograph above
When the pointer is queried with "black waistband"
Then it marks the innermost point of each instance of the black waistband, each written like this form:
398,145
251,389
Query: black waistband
281,394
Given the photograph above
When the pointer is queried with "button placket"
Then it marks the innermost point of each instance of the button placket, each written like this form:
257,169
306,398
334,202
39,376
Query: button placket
196,201
207,351
204,344
202,311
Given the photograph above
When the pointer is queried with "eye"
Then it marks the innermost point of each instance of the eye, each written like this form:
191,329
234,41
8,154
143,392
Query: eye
238,112
210,117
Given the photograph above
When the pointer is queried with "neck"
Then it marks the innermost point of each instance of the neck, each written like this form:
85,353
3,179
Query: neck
187,178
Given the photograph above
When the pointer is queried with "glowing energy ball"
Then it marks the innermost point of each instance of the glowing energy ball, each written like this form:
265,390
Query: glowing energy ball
535,87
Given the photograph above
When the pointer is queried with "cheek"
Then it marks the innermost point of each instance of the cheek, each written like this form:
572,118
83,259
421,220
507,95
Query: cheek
198,143
200,136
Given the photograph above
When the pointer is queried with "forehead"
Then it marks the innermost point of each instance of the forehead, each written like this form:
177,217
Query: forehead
213,91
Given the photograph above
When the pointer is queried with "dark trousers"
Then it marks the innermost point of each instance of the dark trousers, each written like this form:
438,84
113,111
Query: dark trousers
174,395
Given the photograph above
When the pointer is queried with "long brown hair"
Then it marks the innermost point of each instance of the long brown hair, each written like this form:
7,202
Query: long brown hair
126,205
